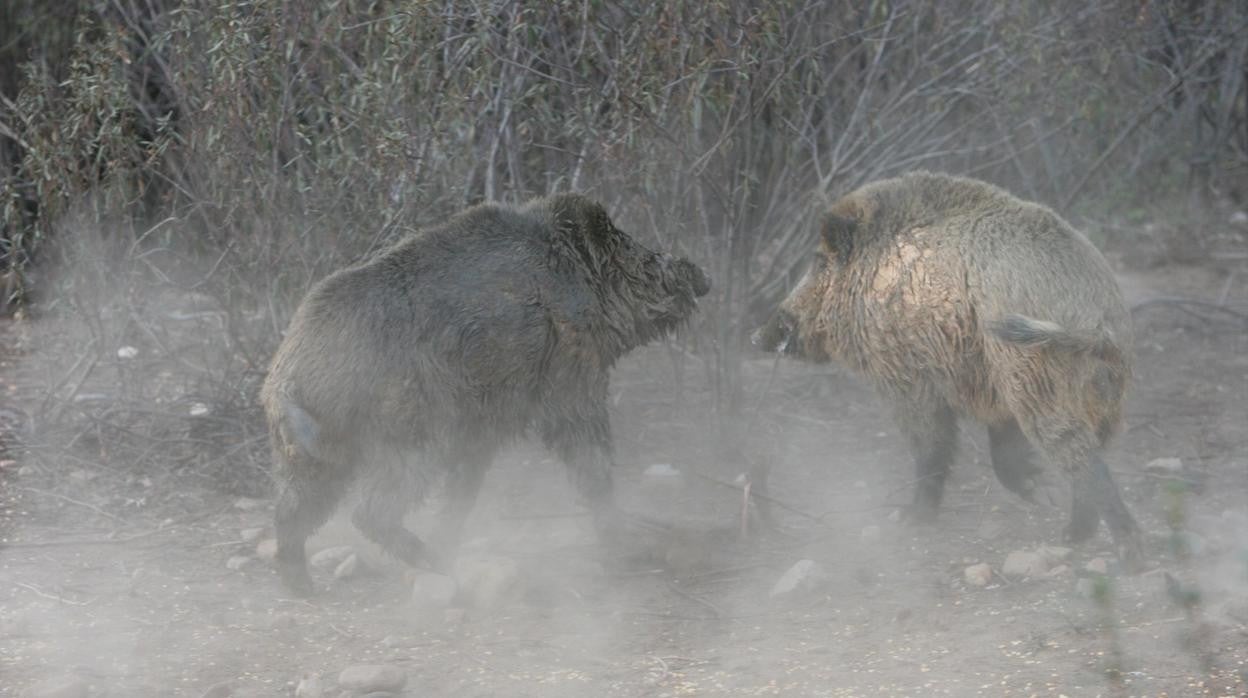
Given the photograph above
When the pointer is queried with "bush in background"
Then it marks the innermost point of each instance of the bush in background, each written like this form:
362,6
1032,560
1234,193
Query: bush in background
184,170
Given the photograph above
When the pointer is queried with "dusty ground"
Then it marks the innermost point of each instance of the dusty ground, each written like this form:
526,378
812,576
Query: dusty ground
135,598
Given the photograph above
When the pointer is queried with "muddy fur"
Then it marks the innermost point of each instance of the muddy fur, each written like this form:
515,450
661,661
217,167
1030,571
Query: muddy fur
425,360
958,299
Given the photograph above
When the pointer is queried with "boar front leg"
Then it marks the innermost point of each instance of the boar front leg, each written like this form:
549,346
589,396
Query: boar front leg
931,429
583,442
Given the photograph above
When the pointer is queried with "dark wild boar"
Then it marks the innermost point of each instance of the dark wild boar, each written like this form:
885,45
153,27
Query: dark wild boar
956,298
423,361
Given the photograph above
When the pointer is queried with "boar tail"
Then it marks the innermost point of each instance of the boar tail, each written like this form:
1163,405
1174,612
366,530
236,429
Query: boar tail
1031,333
301,428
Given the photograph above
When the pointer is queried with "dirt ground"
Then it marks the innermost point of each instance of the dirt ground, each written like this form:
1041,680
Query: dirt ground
142,598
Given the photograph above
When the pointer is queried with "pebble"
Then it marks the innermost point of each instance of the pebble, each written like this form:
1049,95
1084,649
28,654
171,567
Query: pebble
59,687
267,549
1085,587
1059,571
1054,554
348,567
1097,565
237,562
1188,543
978,575
329,558
484,580
251,535
453,617
249,504
431,589
804,575
366,678
1024,563
223,689
310,686
1165,466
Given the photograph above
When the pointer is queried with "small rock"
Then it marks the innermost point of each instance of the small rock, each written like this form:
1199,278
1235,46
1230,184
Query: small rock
870,533
454,617
237,562
249,504
251,535
1188,543
978,575
1059,572
365,678
267,549
431,589
329,558
348,567
59,687
224,689
282,621
1024,563
1054,554
1085,587
200,409
804,575
661,472
991,528
310,686
485,579
1097,565
394,642
127,352
1165,466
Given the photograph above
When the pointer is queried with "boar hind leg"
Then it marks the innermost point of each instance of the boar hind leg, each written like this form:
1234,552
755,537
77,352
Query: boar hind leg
463,483
1013,459
1095,496
309,491
930,427
1095,490
388,496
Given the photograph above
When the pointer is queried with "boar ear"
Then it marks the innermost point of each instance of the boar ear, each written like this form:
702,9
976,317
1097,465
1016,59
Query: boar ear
838,235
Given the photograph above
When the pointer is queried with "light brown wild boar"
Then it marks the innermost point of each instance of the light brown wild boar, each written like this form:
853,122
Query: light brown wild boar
956,298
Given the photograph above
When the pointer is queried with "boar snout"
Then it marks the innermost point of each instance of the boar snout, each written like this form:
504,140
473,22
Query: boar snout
778,335
698,279
689,273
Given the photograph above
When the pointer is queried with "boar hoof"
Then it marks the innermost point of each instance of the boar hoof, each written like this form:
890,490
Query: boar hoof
1131,556
297,581
1082,526
919,514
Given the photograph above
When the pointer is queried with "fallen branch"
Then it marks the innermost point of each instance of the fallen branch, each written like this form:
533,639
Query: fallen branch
1186,304
71,500
756,495
46,595
715,610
